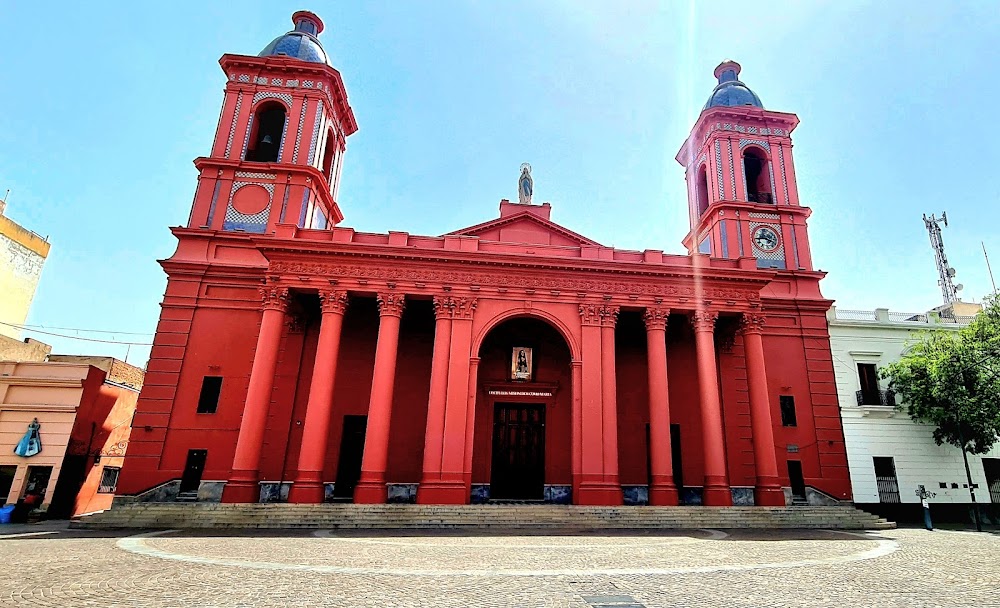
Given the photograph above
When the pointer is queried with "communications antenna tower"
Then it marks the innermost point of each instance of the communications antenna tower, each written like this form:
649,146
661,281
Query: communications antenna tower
949,291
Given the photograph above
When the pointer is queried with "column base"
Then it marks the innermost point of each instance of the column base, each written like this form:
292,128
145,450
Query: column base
241,490
437,492
717,496
663,496
306,491
769,496
599,494
370,493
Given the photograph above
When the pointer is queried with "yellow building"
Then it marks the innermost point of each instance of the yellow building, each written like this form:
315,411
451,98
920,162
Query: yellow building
22,254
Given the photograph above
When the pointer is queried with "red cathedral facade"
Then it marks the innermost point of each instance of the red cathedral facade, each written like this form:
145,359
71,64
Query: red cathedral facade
299,359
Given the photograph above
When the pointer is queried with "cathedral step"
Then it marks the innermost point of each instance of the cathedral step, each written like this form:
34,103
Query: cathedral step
536,517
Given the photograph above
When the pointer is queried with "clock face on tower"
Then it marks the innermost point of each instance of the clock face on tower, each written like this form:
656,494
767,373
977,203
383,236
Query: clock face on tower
766,238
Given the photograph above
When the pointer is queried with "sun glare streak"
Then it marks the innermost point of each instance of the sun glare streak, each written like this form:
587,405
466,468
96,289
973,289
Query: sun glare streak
690,109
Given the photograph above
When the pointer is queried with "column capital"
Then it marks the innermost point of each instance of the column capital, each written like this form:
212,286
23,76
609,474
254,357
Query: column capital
590,314
656,317
390,304
444,307
609,315
704,320
465,307
274,298
752,323
332,301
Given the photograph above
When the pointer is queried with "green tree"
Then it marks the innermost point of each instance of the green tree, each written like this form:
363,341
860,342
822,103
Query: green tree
951,380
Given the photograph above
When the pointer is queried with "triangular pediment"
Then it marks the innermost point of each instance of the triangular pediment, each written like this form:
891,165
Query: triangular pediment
525,227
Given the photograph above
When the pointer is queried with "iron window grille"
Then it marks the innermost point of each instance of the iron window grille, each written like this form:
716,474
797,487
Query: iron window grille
109,480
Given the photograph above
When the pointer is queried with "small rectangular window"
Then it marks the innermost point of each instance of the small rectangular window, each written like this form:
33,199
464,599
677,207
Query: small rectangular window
787,410
208,401
109,480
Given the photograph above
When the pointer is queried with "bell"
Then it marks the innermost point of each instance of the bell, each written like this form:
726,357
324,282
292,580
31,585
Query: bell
267,140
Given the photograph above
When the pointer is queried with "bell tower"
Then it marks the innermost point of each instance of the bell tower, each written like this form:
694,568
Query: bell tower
280,143
742,196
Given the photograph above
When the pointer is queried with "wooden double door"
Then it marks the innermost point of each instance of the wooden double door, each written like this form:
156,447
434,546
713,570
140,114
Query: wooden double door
518,465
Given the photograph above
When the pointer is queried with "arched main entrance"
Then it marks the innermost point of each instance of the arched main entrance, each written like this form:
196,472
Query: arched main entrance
522,447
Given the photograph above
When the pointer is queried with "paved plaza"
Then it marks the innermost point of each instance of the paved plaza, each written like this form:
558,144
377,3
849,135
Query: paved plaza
50,565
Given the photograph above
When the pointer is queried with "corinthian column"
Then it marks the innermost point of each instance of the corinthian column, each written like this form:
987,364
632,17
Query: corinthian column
371,486
308,487
434,436
243,483
662,490
716,489
609,390
768,489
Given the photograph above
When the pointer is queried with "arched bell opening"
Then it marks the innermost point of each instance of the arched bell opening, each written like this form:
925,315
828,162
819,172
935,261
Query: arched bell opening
268,128
756,176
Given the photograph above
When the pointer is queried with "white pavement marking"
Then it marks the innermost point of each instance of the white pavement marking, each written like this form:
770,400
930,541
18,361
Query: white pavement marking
2,536
656,541
137,544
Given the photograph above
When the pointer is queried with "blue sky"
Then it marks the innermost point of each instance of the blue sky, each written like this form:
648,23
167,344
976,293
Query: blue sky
104,107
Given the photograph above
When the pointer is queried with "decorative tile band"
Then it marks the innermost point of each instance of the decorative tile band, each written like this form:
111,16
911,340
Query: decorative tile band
246,139
784,177
250,223
315,135
232,127
727,126
760,142
285,97
292,83
298,134
732,171
718,169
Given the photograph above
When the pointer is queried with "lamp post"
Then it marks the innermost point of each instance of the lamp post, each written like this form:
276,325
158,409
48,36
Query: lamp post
923,494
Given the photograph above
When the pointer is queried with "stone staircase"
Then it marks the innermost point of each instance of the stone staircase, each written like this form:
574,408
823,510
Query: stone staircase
476,517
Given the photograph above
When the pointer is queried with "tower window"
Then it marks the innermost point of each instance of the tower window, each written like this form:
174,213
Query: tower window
787,403
755,176
208,401
268,127
329,156
701,190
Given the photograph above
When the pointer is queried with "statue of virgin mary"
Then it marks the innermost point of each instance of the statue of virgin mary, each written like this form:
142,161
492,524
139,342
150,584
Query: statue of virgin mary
31,443
525,185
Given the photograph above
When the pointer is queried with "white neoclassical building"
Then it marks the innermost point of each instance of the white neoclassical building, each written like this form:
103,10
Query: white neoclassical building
888,453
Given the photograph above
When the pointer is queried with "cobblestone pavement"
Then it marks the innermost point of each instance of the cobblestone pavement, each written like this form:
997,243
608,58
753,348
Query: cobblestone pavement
54,566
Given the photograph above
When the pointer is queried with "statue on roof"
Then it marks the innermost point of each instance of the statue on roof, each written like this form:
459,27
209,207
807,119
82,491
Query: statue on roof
525,185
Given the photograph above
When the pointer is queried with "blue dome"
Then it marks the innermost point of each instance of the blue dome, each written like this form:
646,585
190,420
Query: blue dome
300,43
730,92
